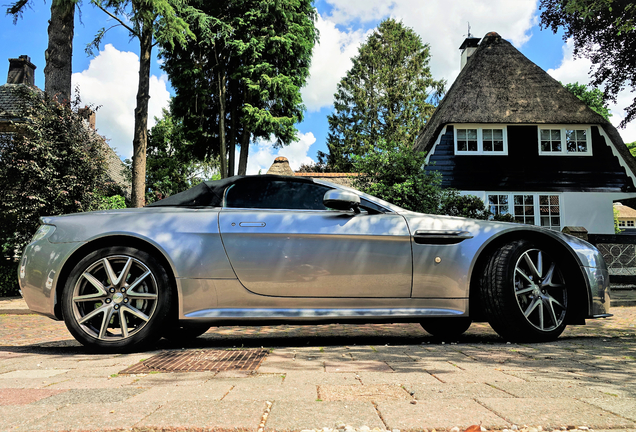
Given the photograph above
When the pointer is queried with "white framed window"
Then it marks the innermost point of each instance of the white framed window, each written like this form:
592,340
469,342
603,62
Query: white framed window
480,140
630,224
622,223
541,209
565,140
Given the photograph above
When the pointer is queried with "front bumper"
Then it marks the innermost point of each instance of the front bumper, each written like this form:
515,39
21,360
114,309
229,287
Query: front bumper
40,267
599,303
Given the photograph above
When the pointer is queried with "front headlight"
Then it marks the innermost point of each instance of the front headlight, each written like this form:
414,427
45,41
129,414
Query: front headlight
42,232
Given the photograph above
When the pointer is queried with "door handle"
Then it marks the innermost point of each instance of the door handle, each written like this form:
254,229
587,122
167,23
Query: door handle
252,224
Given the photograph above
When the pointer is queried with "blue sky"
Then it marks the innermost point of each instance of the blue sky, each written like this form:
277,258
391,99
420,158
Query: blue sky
109,80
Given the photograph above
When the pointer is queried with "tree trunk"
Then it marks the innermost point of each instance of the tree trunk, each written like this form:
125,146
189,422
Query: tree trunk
140,140
59,54
245,147
221,92
232,146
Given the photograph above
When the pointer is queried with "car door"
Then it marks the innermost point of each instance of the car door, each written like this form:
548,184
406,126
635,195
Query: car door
282,241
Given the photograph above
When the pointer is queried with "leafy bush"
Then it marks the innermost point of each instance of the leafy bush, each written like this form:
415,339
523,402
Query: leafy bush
9,278
470,206
53,163
112,202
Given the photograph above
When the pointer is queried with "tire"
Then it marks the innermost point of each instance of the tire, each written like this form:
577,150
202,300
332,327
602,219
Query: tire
116,285
185,332
446,328
525,293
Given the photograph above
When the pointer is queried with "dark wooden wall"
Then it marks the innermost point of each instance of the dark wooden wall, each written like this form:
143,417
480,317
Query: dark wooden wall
524,170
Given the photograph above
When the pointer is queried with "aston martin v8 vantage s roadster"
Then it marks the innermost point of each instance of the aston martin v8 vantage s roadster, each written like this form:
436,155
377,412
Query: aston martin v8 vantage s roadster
273,249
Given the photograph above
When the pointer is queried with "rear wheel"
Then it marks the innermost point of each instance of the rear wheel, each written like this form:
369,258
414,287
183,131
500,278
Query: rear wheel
525,293
446,328
116,299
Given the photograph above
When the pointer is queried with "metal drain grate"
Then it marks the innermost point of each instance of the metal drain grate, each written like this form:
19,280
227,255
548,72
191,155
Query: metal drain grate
200,361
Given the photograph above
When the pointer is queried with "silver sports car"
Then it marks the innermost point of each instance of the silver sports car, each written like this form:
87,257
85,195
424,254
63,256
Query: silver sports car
272,249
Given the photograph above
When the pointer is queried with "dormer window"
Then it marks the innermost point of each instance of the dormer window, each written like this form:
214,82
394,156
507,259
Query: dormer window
565,141
478,140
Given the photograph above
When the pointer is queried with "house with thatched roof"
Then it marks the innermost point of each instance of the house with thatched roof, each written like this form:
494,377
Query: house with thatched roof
280,166
626,218
509,133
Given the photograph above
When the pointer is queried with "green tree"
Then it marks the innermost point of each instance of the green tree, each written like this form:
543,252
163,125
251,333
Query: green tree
52,164
171,165
386,95
593,98
603,31
240,78
151,22
59,54
395,173
632,148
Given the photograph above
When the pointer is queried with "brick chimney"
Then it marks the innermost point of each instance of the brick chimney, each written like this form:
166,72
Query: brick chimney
89,115
468,47
21,71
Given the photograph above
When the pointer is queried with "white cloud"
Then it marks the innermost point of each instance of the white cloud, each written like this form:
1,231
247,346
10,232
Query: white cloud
111,83
444,23
262,154
577,70
330,62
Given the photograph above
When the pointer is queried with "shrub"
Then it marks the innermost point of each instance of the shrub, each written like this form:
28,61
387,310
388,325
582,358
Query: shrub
52,163
9,278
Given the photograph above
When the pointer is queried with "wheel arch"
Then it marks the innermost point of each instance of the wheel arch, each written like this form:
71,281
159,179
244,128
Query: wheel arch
563,253
92,245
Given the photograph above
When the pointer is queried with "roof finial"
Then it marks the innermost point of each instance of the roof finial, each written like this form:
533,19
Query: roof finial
469,35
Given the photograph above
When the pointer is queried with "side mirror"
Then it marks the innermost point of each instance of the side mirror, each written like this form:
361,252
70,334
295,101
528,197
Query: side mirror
341,200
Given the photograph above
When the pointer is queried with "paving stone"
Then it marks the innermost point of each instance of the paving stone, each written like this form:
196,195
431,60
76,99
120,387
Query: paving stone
171,378
437,390
438,414
90,416
547,389
33,373
32,382
357,366
554,412
291,392
88,382
202,391
205,415
13,396
16,415
290,365
90,396
620,406
294,416
371,393
398,378
323,378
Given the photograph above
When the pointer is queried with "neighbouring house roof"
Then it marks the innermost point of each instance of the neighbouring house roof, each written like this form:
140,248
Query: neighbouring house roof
501,85
281,167
625,212
11,104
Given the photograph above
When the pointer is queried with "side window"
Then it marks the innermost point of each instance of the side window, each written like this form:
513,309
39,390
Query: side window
276,194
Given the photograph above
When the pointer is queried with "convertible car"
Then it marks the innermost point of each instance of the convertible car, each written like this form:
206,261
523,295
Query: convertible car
273,249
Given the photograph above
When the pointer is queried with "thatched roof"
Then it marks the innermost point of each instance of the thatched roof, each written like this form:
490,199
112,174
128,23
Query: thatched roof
280,167
625,211
501,85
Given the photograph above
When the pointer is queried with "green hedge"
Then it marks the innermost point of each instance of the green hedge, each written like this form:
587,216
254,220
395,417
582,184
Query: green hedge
9,279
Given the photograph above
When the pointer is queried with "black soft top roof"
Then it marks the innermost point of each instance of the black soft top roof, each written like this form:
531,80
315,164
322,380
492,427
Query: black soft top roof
210,193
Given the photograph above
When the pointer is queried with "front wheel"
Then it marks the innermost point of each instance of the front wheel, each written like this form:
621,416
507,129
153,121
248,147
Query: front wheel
117,299
525,293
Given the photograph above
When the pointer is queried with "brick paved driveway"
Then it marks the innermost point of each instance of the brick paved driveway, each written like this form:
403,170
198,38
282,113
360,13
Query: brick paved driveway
388,376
